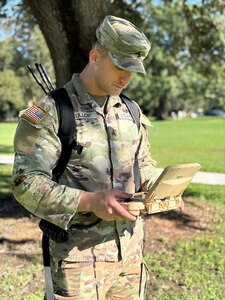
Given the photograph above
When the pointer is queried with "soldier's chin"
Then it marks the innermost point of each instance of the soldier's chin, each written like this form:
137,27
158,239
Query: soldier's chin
116,91
115,94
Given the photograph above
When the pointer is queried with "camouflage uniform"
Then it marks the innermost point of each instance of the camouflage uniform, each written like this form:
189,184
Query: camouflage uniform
105,259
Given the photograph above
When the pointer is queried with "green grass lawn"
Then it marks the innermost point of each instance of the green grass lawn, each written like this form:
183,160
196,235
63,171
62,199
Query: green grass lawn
199,140
7,131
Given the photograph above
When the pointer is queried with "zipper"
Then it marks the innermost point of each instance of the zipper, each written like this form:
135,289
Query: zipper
111,172
108,139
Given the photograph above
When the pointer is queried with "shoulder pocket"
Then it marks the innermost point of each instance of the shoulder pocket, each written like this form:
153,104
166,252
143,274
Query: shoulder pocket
35,116
145,121
28,133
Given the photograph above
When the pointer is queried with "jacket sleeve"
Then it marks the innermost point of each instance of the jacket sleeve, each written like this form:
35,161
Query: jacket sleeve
37,149
147,165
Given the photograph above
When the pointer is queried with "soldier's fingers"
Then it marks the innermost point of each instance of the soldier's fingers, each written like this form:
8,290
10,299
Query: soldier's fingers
115,217
120,210
182,206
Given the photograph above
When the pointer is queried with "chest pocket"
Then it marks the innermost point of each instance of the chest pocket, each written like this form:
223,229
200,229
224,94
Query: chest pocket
128,131
125,115
90,130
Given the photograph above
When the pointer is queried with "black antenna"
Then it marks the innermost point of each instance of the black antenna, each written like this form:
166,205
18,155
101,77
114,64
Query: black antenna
46,76
42,76
36,79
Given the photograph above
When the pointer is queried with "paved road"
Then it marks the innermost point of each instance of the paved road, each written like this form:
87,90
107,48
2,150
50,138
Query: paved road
6,159
200,177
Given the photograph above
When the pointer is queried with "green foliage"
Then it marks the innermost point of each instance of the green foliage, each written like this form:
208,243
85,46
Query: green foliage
6,56
185,66
129,10
205,32
17,88
11,96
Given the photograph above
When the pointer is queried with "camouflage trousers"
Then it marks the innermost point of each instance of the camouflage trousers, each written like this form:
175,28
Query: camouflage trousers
100,280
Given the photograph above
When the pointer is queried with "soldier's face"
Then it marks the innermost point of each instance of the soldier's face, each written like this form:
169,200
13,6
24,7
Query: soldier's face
110,79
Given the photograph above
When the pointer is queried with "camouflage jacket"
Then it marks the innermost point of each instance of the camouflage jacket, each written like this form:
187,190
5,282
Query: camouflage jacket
110,140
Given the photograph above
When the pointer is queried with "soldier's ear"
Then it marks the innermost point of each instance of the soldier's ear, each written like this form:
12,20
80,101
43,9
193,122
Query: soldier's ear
93,56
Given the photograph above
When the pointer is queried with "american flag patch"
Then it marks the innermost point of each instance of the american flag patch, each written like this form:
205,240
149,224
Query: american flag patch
34,114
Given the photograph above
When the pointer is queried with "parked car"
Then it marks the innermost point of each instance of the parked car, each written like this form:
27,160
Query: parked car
215,112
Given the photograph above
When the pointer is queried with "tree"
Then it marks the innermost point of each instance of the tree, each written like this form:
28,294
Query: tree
11,97
68,28
185,67
17,88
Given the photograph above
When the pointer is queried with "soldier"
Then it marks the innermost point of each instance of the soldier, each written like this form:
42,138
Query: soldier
100,260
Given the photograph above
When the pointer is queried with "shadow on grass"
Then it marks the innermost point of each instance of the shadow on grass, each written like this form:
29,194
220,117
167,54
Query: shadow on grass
19,253
4,240
10,208
181,219
7,149
32,258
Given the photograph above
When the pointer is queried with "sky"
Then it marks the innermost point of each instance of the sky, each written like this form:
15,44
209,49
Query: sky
9,6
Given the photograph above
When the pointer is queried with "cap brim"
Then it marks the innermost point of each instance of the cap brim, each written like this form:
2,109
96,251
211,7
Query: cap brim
127,63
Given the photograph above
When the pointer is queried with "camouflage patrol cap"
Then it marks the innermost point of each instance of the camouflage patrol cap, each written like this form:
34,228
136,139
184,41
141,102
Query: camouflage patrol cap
126,44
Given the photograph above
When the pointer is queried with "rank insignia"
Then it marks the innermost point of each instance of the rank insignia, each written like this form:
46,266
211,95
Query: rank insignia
34,114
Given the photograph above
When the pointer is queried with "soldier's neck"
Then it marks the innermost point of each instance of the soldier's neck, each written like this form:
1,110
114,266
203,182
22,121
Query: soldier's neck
88,79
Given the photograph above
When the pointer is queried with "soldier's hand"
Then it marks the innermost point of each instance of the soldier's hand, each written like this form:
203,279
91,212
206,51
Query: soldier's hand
105,205
181,207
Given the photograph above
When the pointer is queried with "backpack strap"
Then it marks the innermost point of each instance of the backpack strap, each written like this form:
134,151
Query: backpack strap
49,290
66,133
66,130
133,109
135,113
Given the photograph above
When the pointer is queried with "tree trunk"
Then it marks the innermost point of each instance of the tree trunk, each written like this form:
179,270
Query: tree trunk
160,110
68,28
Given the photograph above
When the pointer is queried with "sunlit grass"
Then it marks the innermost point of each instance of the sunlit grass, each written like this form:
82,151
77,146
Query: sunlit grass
7,131
190,140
